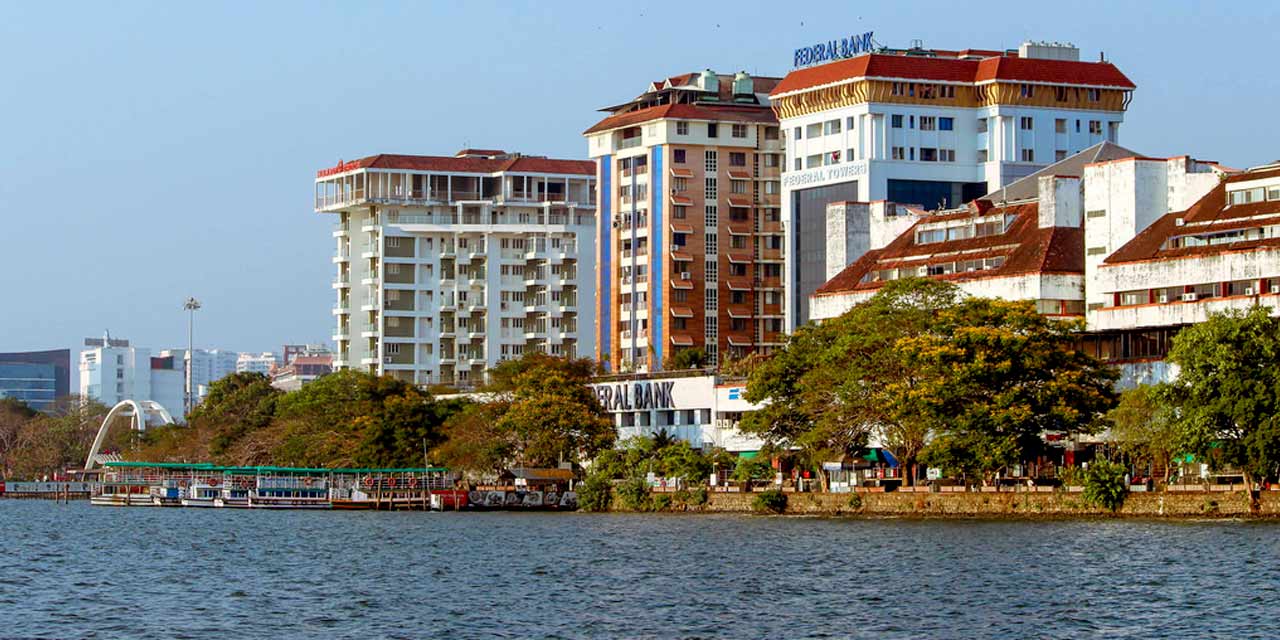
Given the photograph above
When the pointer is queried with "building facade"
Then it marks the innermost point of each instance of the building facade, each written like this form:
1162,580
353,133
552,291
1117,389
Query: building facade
301,370
262,363
690,238
931,128
206,366
112,370
703,410
37,378
448,265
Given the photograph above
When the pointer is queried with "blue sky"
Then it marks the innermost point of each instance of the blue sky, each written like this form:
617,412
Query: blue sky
151,151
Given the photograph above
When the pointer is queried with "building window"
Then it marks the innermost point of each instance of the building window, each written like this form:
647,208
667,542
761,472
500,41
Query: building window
831,127
680,185
797,135
898,153
1095,127
1026,123
711,275
710,300
682,128
928,123
946,124
1096,213
737,269
895,121
710,189
1028,155
1095,95
982,155
738,186
1060,125
712,216
738,131
813,131
679,212
1028,91
771,133
1059,155
898,89
738,242
850,156
1060,94
711,161
713,130
946,155
680,295
711,248
799,164
737,159
928,155
814,160
982,125
677,156
848,123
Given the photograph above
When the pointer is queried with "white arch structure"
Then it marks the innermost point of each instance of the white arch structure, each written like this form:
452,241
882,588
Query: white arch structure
137,412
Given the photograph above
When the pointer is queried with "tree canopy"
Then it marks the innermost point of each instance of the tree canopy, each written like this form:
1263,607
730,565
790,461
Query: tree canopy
1226,398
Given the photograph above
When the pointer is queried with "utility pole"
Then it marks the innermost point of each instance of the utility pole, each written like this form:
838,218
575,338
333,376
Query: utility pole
191,305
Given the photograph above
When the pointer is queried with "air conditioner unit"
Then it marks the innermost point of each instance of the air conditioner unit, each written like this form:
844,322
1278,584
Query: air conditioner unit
1178,222
922,270
1162,298
386,360
1190,297
1275,288
1248,291
684,275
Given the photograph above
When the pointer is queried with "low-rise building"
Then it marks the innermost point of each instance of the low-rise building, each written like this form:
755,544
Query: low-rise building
262,363
301,370
701,409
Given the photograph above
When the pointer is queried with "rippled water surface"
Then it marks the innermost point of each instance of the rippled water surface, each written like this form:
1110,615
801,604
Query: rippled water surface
70,571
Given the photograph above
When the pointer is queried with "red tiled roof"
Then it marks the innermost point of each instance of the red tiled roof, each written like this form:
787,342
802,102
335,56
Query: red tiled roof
480,152
996,67
1208,215
712,112
476,165
1026,248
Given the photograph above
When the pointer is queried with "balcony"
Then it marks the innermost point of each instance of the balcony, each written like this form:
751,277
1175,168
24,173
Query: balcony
341,230
341,309
630,143
342,256
342,282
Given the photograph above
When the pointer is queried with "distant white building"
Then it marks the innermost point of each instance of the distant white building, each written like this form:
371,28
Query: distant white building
207,366
258,362
112,370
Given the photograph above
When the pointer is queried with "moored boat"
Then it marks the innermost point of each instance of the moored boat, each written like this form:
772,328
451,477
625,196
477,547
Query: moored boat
201,494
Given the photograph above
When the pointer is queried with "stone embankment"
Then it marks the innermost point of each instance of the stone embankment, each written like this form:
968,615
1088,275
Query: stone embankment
1030,505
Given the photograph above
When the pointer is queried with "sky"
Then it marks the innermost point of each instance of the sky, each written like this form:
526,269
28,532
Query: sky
154,151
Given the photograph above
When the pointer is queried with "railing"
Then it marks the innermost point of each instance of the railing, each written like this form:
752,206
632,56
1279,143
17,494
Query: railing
630,143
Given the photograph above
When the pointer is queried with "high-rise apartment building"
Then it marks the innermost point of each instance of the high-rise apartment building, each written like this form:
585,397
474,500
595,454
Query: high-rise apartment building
690,239
930,128
37,378
448,265
206,366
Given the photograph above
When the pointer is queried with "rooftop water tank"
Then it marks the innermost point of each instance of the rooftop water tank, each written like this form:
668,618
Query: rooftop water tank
742,84
709,81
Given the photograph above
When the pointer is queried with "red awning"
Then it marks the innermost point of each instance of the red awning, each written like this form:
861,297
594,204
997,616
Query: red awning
740,258
739,231
739,312
677,172
682,312
740,341
739,285
741,202
739,174
681,284
681,341
681,201
681,227
680,256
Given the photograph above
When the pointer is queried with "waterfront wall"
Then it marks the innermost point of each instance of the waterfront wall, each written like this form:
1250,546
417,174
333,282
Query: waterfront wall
1181,504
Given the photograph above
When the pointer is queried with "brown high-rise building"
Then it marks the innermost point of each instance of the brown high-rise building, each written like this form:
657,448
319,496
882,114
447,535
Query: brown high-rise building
689,236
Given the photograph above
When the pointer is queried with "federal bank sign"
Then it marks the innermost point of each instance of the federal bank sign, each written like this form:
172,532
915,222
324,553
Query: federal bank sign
823,175
638,395
834,50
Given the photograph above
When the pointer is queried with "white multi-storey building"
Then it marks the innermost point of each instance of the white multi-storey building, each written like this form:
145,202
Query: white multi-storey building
932,128
111,370
448,265
206,365
257,362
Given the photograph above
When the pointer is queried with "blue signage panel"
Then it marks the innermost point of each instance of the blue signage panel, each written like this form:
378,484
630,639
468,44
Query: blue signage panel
834,50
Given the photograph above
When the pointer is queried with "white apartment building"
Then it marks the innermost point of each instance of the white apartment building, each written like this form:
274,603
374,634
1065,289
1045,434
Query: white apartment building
930,128
206,365
448,265
111,370
703,410
257,362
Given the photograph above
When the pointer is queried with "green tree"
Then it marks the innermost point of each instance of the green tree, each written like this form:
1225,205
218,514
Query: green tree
993,375
828,389
691,358
538,411
1104,485
1143,428
1227,394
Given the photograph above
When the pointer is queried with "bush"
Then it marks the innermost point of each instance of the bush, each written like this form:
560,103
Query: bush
855,501
770,501
634,494
595,494
660,502
1104,485
698,496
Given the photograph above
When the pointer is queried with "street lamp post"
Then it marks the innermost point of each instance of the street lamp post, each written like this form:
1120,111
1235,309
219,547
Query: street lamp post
191,305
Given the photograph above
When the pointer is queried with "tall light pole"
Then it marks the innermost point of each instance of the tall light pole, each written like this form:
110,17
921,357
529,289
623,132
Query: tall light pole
191,305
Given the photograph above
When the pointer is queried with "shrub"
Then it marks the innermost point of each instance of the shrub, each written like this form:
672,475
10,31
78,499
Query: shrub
660,502
769,501
1104,485
698,496
595,494
634,494
855,501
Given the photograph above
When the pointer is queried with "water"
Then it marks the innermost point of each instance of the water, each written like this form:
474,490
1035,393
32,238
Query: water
80,571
